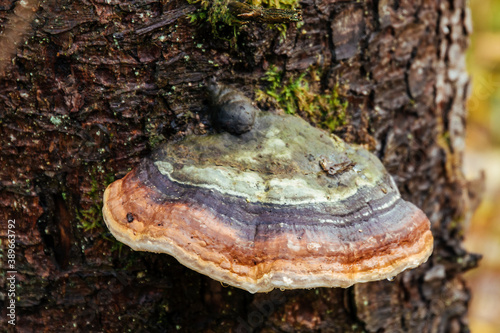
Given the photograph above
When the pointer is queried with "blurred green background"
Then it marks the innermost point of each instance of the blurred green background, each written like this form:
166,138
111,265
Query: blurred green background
483,153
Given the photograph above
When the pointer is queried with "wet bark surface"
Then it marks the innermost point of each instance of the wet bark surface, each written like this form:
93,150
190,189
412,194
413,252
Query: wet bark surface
95,85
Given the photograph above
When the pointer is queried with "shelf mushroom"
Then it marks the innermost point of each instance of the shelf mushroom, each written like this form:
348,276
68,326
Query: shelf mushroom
281,204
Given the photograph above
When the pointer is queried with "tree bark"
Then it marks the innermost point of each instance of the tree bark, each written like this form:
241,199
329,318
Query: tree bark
94,85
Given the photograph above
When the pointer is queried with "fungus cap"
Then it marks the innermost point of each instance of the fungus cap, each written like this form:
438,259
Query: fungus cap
284,205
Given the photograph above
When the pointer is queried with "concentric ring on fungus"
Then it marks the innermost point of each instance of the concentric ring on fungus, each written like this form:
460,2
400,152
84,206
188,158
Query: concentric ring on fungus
283,205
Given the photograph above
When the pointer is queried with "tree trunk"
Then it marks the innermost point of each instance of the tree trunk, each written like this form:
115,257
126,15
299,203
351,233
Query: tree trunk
92,86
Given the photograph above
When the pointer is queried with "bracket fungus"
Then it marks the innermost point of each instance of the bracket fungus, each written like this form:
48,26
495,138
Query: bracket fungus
280,205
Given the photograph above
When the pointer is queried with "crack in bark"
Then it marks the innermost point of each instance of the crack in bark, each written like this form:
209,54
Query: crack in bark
407,72
376,15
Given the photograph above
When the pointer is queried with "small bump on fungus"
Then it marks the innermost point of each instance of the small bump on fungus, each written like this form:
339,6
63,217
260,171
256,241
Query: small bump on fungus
232,111
280,205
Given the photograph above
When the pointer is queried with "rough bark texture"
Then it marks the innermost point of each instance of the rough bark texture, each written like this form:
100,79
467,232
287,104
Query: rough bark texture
94,85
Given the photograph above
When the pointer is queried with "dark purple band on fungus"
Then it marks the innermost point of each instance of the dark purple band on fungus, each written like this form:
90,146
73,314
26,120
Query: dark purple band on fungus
246,217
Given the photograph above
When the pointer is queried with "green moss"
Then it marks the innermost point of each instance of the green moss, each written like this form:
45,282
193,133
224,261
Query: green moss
155,140
285,4
295,95
91,218
154,132
218,15
213,11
